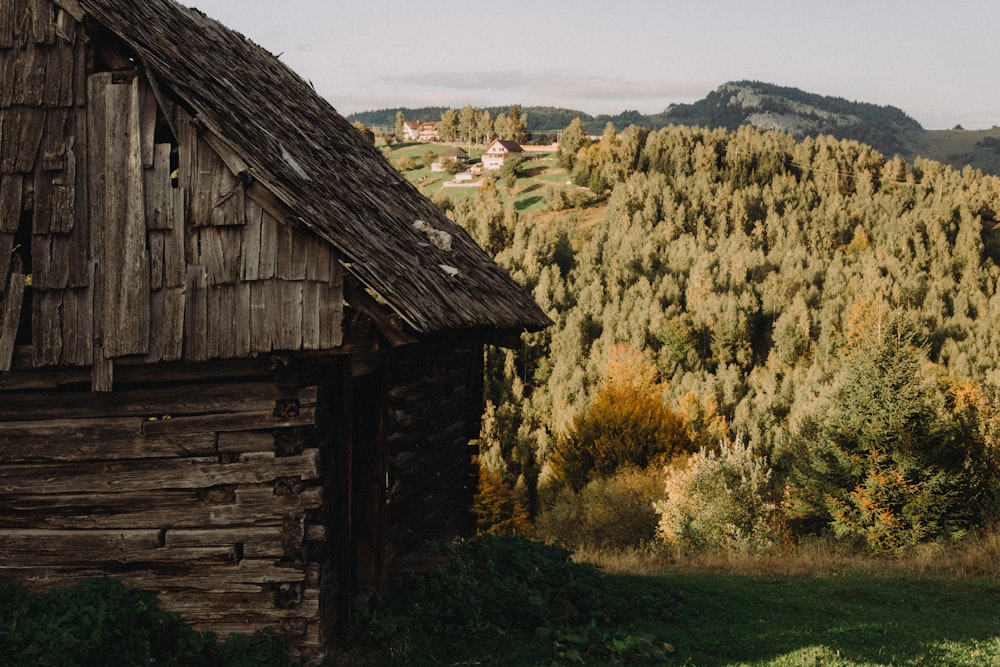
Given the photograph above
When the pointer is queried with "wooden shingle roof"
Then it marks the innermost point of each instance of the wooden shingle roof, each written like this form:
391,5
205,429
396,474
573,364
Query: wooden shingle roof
393,240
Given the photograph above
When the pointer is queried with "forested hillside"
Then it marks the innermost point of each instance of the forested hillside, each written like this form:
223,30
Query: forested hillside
805,333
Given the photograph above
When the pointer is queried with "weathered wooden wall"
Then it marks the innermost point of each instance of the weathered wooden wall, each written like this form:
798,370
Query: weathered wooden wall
208,494
434,406
142,233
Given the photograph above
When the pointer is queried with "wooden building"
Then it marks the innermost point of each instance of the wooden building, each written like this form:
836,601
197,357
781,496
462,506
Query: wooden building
240,356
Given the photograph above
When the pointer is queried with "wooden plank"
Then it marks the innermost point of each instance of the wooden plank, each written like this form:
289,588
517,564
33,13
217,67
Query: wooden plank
232,421
220,253
166,325
268,246
8,12
250,247
231,608
331,317
10,311
6,241
196,315
71,7
158,189
42,24
22,129
77,334
8,68
284,252
218,198
46,327
248,575
311,304
229,442
259,541
184,508
276,316
154,474
155,240
10,204
81,263
91,447
190,398
118,213
66,548
29,86
59,56
174,266
147,124
54,140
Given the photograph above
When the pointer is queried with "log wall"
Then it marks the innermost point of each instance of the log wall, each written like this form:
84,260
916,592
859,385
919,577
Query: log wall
434,407
207,493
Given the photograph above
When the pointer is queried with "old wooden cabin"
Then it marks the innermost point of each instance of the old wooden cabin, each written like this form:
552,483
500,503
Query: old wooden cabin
240,356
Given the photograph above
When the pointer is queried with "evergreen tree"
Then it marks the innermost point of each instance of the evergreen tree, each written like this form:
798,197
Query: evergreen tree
573,138
886,467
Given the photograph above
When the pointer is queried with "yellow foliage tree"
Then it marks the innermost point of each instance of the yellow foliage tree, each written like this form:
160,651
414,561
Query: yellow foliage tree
628,424
498,509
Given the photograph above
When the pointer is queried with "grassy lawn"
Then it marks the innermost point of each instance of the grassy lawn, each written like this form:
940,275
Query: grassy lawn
778,621
851,620
517,603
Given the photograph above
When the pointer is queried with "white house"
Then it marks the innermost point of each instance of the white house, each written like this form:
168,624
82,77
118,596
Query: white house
498,152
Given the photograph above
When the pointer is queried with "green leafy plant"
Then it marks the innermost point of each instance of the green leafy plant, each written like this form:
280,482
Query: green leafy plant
100,621
499,586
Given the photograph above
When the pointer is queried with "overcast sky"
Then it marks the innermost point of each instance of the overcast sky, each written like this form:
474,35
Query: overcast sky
937,61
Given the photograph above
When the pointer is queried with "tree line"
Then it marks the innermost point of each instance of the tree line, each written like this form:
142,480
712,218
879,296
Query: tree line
760,339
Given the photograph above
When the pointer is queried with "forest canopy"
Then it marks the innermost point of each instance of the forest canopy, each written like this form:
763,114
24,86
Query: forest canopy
747,270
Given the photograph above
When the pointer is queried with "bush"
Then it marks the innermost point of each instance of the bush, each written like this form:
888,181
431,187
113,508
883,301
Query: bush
100,621
726,499
612,512
494,586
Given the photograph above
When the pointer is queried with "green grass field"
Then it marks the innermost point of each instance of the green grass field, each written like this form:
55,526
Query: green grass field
512,602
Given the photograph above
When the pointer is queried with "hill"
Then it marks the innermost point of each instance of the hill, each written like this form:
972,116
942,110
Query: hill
769,107
766,106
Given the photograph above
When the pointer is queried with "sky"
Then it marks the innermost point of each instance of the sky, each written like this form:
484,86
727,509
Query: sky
937,61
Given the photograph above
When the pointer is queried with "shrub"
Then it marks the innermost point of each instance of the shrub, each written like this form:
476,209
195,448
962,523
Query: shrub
611,512
499,585
726,499
100,621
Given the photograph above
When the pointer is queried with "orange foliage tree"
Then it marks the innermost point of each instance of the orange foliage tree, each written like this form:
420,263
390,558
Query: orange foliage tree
628,424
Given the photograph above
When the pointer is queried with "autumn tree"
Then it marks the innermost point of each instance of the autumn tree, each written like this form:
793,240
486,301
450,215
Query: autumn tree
365,131
400,121
628,424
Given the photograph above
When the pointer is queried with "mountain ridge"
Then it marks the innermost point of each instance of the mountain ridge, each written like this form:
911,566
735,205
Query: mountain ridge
765,106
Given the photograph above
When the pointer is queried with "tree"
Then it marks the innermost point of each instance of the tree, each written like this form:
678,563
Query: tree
484,127
400,121
448,127
365,131
886,465
467,123
628,424
572,139
518,124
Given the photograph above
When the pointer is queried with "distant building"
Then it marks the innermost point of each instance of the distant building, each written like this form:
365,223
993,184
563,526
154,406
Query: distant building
454,154
414,130
497,153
